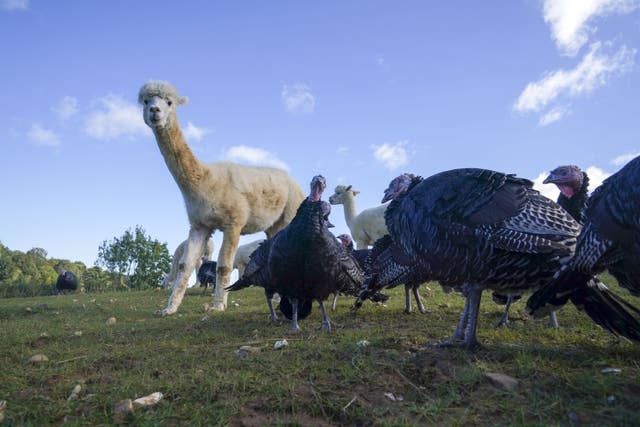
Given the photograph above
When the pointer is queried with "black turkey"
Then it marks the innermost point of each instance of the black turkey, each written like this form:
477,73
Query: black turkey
610,239
362,258
475,229
207,274
573,184
305,262
67,282
389,266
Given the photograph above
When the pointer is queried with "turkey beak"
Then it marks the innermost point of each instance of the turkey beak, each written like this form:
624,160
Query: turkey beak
551,179
387,196
329,225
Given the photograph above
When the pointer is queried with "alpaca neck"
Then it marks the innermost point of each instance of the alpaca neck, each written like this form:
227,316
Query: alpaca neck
186,169
349,209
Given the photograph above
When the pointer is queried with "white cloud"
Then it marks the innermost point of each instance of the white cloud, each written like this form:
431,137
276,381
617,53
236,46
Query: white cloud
571,21
67,107
14,4
592,72
342,150
254,156
42,136
553,115
596,176
298,98
194,132
115,118
624,158
392,156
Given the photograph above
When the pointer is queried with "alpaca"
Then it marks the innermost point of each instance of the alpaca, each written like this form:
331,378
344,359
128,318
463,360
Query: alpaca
367,226
170,278
243,253
230,197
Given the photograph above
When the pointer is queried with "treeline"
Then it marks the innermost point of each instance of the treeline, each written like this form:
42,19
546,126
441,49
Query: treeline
132,261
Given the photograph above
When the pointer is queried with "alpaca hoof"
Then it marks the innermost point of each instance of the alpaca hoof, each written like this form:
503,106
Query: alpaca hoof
166,311
217,306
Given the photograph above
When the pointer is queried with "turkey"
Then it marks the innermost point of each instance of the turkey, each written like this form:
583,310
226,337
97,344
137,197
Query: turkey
362,258
207,274
67,281
610,239
389,267
573,184
475,229
306,262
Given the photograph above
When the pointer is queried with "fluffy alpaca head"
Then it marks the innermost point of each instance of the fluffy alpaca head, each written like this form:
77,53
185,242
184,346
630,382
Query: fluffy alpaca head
159,100
340,192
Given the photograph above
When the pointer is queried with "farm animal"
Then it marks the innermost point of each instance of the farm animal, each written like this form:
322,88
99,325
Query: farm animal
389,267
207,274
233,198
257,273
306,262
243,253
476,229
573,184
367,226
170,278
610,239
67,282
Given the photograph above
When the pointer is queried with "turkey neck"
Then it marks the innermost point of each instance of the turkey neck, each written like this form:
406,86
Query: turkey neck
186,169
576,204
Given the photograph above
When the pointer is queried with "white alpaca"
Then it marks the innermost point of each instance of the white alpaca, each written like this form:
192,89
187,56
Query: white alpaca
170,278
367,226
225,196
243,254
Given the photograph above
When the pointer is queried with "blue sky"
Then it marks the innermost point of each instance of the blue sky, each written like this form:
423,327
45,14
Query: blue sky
359,91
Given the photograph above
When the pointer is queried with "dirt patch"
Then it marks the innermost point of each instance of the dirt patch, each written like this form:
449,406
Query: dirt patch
250,417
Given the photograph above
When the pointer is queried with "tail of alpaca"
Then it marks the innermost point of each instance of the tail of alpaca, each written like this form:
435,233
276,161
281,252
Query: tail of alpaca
590,295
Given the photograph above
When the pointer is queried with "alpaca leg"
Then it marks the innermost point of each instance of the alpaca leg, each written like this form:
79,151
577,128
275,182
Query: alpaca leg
225,263
419,303
553,320
193,250
170,280
407,300
361,244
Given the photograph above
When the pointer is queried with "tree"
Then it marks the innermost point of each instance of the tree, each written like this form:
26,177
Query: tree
137,257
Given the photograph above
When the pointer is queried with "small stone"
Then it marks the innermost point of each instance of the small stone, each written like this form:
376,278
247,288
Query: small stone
149,400
611,400
443,305
246,350
75,392
205,318
280,344
502,381
610,371
110,321
77,333
122,409
75,300
362,343
28,309
235,304
38,358
44,335
394,398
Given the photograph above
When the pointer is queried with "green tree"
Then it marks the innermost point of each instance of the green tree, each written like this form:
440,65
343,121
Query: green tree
138,259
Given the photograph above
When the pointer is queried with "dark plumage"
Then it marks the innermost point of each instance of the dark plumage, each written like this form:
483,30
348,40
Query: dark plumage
207,274
610,239
475,229
305,262
388,267
67,282
573,184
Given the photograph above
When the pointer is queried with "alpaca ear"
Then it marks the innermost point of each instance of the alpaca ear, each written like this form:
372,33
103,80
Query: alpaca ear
356,192
182,100
347,189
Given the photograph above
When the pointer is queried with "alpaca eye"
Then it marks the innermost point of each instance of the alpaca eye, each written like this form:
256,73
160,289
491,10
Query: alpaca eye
169,103
146,102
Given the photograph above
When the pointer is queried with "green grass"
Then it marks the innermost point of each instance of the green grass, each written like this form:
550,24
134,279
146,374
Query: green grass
319,379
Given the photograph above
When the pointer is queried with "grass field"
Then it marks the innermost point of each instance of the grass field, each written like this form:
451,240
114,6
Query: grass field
319,379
